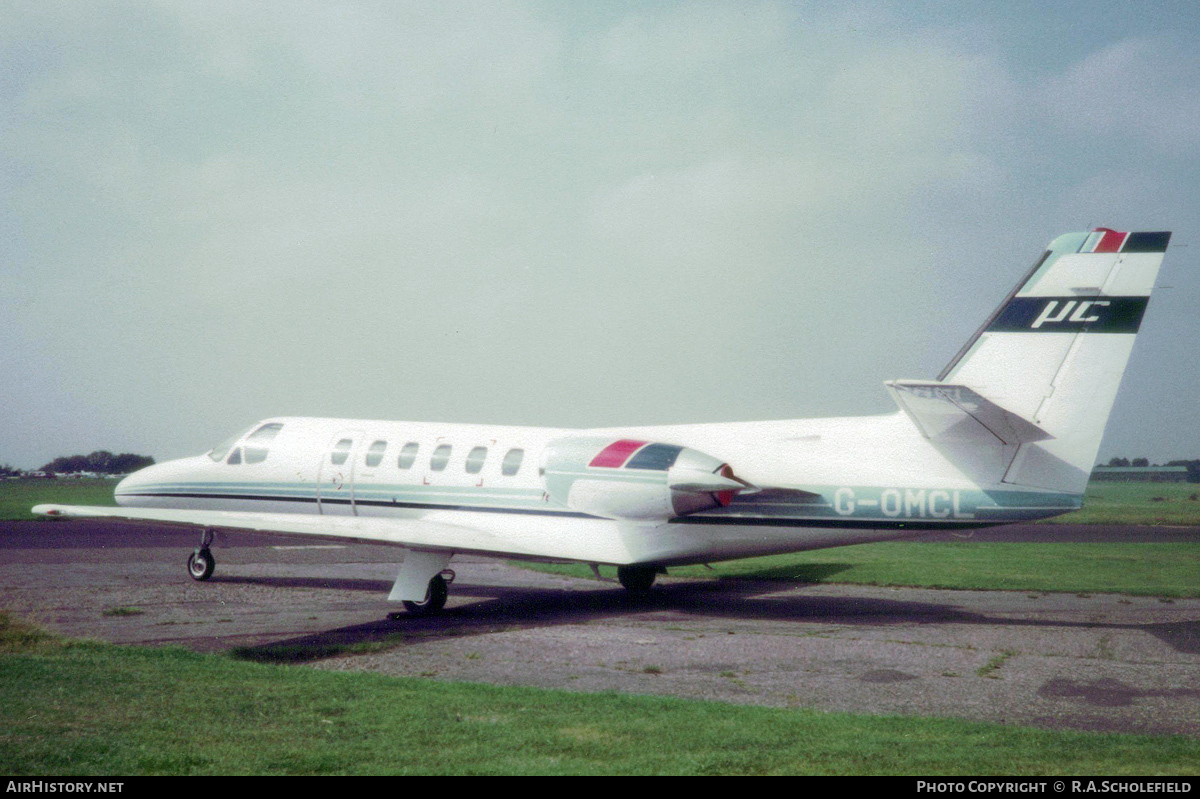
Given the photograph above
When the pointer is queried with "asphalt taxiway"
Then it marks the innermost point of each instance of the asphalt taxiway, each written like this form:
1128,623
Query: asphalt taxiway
1097,662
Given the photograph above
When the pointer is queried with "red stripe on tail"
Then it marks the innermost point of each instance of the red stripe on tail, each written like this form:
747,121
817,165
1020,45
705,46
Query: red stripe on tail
1111,241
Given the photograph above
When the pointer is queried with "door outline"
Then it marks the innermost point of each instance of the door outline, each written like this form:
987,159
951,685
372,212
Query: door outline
340,475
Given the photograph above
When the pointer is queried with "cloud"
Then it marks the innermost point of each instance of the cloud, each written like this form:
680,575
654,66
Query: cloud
853,141
1139,90
549,200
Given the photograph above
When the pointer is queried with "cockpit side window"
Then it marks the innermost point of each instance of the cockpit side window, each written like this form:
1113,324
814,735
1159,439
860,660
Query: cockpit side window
256,444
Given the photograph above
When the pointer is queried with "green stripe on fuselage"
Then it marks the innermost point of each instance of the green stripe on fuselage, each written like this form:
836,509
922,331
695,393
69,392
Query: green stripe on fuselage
886,505
892,505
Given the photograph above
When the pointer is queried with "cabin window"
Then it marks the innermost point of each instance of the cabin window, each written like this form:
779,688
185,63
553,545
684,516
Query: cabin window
256,444
341,451
375,453
441,456
475,459
512,462
408,454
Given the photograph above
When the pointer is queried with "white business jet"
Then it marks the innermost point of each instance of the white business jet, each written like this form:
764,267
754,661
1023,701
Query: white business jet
1008,432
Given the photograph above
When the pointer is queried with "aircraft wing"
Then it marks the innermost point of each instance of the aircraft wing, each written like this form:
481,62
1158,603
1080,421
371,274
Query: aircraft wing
410,533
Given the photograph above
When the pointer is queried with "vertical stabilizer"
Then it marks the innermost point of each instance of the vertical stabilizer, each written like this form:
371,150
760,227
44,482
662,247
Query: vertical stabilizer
1053,353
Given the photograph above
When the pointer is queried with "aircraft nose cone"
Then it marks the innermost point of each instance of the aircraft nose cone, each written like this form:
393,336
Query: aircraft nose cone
148,485
130,484
124,488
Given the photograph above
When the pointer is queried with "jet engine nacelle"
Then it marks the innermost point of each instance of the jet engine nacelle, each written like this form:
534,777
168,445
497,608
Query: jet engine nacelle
636,480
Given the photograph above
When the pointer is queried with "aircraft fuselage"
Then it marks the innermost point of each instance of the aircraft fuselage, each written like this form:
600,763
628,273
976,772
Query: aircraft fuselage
829,482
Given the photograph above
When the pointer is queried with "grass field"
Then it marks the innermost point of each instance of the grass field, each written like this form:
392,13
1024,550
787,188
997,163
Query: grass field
18,496
84,708
1137,503
1165,570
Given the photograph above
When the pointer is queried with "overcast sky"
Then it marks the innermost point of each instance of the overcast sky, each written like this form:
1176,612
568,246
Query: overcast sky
564,213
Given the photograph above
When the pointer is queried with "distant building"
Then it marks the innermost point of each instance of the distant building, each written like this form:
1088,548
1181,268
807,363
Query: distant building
1141,474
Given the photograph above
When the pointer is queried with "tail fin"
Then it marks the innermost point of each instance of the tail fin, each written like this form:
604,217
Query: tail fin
1053,353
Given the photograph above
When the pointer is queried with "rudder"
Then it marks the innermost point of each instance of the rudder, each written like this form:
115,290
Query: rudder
1054,352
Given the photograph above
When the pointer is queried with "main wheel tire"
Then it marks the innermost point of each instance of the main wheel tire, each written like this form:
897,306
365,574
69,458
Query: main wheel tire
435,598
201,564
637,579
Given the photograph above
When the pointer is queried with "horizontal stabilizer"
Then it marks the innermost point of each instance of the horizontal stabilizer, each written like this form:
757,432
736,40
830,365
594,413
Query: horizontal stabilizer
948,412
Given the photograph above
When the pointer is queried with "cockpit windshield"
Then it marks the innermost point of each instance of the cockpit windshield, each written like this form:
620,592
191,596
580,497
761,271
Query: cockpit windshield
255,446
219,452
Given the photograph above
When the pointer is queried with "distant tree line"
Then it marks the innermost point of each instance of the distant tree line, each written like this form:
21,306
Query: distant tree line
100,462
1193,466
1127,462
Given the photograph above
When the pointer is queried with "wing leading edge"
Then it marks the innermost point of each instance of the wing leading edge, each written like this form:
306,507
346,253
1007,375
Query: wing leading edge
410,533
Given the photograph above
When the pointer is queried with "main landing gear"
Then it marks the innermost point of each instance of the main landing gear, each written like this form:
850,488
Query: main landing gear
435,597
201,564
637,579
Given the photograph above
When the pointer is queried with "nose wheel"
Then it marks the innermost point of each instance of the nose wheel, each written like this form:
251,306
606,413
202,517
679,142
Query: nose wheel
201,563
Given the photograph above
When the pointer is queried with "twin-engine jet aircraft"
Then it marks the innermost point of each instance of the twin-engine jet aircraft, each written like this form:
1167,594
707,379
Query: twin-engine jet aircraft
1008,432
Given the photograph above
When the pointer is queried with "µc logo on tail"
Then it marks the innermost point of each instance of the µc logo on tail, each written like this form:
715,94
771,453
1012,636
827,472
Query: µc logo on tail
1082,314
1070,315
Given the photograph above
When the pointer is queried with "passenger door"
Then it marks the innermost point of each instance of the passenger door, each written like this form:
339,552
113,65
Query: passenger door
335,476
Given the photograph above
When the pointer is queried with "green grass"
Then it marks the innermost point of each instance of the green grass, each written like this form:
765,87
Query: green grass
1167,570
18,496
82,708
1137,503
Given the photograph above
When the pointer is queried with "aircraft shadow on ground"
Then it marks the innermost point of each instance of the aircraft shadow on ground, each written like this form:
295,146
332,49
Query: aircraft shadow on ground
331,583
794,575
507,608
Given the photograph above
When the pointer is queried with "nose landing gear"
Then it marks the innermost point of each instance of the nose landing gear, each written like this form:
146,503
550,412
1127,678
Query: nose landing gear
201,564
